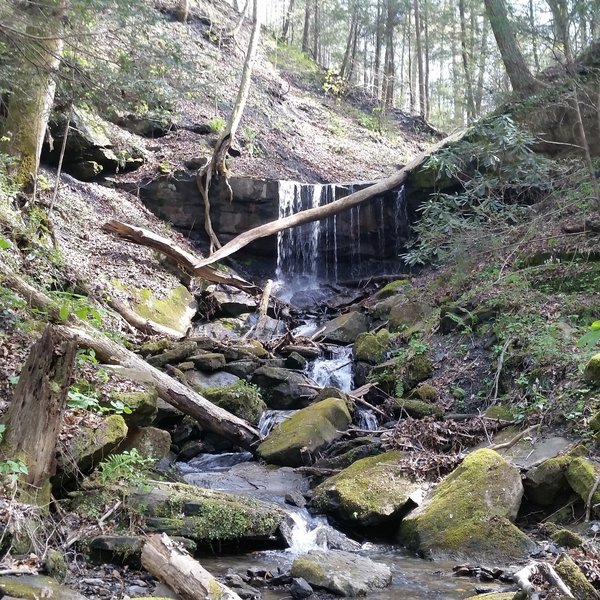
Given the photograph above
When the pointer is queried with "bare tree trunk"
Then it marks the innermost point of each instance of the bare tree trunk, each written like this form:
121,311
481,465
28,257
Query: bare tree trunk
466,61
316,30
421,69
32,99
560,17
389,63
217,163
378,39
482,62
35,415
286,22
521,79
345,67
306,31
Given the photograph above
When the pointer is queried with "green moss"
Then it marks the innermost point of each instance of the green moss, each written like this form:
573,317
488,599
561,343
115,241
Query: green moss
419,409
425,392
155,347
372,347
143,405
393,287
581,475
307,569
55,565
367,492
567,539
594,423
171,311
592,370
417,369
241,399
572,575
498,411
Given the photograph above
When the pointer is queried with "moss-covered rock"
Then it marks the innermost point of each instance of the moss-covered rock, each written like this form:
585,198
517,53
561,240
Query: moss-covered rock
345,328
581,475
150,442
408,314
592,370
425,392
283,389
371,491
241,399
498,411
567,538
594,423
178,352
205,515
416,369
372,347
175,311
544,483
33,587
469,514
156,346
295,441
571,574
55,564
418,409
393,287
143,406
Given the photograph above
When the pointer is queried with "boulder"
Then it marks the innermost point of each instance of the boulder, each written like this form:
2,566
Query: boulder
206,515
230,302
341,573
208,361
241,399
418,409
283,389
243,368
200,381
142,404
576,581
150,442
372,347
546,482
295,441
33,587
152,125
345,328
407,314
469,514
592,370
175,354
581,475
225,328
296,361
369,492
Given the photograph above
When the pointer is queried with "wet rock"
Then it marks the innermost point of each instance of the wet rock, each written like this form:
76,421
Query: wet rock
581,475
283,389
245,591
230,302
470,513
242,368
407,314
295,499
344,453
185,429
296,361
295,441
36,586
178,352
341,572
300,589
544,483
143,406
330,392
592,370
200,381
372,347
335,540
190,449
241,399
418,409
345,328
576,581
208,361
369,492
150,442
495,596
567,538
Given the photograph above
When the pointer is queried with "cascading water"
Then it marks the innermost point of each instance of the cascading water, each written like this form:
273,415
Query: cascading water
271,418
334,370
400,218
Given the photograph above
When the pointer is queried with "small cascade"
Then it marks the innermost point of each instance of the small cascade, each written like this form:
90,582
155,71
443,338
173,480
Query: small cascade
400,218
334,370
214,462
367,419
270,418
304,534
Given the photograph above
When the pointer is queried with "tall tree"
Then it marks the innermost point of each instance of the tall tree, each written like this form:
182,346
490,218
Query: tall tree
286,22
306,30
521,79
420,62
466,59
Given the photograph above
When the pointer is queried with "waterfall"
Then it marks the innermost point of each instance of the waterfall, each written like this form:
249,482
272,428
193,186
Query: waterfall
270,418
400,218
336,370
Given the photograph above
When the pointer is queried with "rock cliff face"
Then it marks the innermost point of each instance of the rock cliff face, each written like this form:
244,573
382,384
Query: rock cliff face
337,248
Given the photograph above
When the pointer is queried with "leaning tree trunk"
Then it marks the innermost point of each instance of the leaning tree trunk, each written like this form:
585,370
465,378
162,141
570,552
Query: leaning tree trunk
33,96
521,79
217,163
35,415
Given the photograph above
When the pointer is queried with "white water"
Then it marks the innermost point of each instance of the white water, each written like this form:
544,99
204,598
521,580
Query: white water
305,531
335,371
270,418
214,462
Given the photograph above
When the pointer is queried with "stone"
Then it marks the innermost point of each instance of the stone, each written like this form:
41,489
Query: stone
284,389
150,442
369,492
567,539
295,498
328,537
143,406
296,441
33,587
55,564
425,392
244,590
156,347
592,370
345,328
231,303
176,310
243,368
150,124
206,515
392,288
330,392
594,423
200,381
300,589
208,361
469,515
581,474
296,361
574,578
177,353
190,449
241,399
546,482
372,347
86,170
340,572
418,409
407,314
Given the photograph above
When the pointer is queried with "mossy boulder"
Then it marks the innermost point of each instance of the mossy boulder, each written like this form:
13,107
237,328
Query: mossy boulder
546,482
372,347
284,389
178,352
567,538
393,287
594,423
576,581
469,514
176,310
416,369
150,442
241,399
407,314
592,370
206,515
143,405
418,409
295,441
425,392
33,587
345,328
369,492
581,475
343,573
498,411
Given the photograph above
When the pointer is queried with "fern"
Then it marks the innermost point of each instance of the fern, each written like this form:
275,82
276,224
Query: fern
127,467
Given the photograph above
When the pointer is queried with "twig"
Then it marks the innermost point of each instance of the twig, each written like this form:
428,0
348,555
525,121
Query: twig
588,504
499,371
515,439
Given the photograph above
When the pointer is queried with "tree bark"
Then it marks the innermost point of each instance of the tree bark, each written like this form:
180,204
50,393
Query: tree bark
421,69
35,415
171,563
378,39
286,22
466,59
389,60
306,30
322,212
33,96
521,79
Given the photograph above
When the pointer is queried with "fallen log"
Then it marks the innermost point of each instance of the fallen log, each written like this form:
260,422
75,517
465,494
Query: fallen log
188,261
322,212
524,576
169,562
